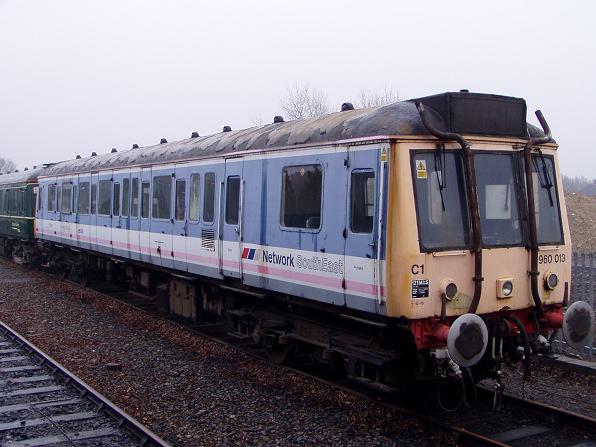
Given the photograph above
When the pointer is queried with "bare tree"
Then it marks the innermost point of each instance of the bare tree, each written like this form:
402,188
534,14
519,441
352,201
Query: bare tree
7,165
257,120
302,101
372,99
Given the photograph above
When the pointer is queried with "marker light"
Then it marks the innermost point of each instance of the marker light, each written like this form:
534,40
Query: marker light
551,281
504,288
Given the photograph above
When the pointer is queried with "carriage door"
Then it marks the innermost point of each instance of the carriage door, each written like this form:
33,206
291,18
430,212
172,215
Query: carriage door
121,213
104,212
180,226
134,219
83,212
162,219
93,212
145,221
67,215
361,250
231,218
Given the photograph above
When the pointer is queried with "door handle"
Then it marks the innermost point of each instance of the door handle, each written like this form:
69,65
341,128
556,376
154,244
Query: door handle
237,230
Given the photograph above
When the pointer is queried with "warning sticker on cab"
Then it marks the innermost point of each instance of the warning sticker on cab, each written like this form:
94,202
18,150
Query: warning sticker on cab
420,288
421,169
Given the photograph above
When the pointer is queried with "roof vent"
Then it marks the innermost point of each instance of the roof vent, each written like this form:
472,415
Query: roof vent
227,129
194,135
26,169
278,119
16,170
78,156
94,154
347,106
114,150
464,90
163,141
135,146
34,167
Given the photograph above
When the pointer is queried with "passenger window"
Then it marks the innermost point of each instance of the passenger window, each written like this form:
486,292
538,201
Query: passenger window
232,200
209,198
125,197
195,194
105,193
302,188
134,212
116,200
180,199
93,198
362,201
52,198
145,201
162,197
83,202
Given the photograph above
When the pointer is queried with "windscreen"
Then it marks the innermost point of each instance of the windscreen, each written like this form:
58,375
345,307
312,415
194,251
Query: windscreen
498,199
443,217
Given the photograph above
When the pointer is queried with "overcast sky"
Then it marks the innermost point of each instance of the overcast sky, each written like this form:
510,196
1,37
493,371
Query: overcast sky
79,76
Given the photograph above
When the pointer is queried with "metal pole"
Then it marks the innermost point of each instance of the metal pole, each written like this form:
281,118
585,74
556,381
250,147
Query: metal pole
574,278
584,282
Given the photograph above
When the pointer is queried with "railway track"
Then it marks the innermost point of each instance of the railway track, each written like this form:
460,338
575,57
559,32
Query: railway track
43,404
519,422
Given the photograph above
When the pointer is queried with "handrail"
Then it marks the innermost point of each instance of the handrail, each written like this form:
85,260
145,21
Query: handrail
472,197
532,209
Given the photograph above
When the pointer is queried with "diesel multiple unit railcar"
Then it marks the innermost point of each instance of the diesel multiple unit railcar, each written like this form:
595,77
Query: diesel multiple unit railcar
422,238
17,214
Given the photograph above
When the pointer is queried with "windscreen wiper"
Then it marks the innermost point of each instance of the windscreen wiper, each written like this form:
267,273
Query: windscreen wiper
545,182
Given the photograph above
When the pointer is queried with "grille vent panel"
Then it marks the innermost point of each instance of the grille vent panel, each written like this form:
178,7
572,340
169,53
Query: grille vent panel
208,239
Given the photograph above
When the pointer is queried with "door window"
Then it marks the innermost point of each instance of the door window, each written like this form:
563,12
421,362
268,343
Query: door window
105,192
83,202
145,200
125,197
209,198
180,199
116,200
134,212
232,200
362,210
162,197
195,194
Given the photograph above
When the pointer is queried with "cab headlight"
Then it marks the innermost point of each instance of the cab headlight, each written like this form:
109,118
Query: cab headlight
551,280
504,288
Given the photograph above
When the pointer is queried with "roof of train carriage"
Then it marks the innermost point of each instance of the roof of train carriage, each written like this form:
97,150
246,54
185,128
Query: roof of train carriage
22,177
400,118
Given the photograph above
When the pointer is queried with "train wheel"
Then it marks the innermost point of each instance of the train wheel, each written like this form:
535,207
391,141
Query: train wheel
83,279
279,354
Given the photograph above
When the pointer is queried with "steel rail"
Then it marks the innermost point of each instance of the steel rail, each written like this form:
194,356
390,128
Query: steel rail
145,436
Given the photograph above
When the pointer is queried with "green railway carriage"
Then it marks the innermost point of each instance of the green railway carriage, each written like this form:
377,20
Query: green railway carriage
17,210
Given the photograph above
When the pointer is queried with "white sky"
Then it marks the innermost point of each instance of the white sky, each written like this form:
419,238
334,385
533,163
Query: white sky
78,76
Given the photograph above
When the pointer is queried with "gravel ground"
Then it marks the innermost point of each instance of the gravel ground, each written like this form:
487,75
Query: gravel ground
188,389
552,385
581,212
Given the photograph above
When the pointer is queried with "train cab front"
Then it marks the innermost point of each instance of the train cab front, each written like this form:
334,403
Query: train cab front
488,275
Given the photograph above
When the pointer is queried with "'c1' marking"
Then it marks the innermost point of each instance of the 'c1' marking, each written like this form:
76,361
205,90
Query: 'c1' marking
417,269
